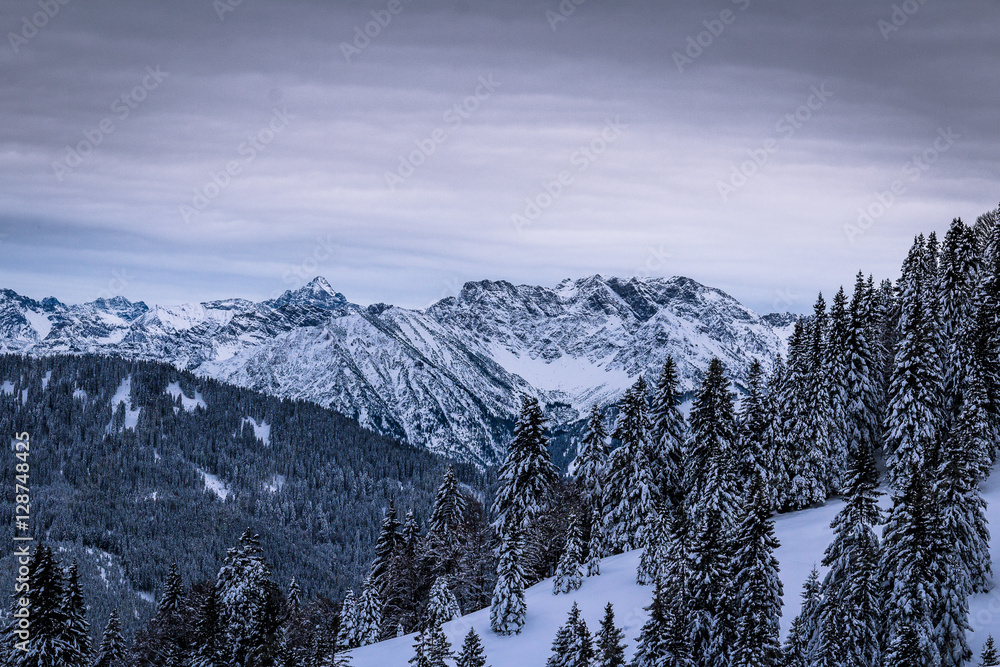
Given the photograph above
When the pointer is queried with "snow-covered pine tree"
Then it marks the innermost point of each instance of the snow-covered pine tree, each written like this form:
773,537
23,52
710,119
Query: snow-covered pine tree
77,633
990,657
432,648
508,609
758,587
851,607
865,404
48,643
448,509
349,635
389,540
778,411
595,546
914,410
654,551
569,571
755,458
573,645
443,606
800,449
527,474
369,614
111,652
802,645
590,465
809,433
661,640
609,646
249,603
403,578
911,584
629,488
472,654
965,459
209,641
837,368
711,500
668,433
959,278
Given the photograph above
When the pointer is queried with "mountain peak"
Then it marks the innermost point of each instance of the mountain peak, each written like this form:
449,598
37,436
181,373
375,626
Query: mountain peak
317,293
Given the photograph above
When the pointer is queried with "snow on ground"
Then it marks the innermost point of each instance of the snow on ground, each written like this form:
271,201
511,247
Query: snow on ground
124,395
275,484
214,484
804,537
262,430
45,380
7,387
80,393
39,322
190,404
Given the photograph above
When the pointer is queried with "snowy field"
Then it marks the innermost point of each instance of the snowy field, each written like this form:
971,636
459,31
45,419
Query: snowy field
803,535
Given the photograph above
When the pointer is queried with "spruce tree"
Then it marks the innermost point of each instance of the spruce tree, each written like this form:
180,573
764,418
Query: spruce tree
865,403
573,645
595,547
508,609
802,645
836,365
431,648
448,509
569,573
755,459
654,553
592,461
757,586
249,603
910,580
111,652
369,615
472,654
990,657
915,390
609,646
661,640
349,635
851,608
443,606
960,269
77,633
49,644
668,434
389,540
209,641
630,490
527,474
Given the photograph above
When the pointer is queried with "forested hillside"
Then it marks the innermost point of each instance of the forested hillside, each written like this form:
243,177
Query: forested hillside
135,465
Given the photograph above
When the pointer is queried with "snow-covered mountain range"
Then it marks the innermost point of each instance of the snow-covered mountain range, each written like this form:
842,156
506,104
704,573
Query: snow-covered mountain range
449,377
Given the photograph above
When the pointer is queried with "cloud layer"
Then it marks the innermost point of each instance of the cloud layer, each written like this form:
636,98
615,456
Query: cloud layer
199,149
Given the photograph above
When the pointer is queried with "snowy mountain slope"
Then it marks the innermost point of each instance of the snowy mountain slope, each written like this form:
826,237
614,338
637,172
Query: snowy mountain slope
448,377
804,537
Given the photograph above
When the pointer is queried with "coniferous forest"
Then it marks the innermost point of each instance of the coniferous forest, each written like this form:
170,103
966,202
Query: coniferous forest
334,538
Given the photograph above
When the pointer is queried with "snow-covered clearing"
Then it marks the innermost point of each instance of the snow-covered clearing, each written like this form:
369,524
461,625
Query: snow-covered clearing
190,404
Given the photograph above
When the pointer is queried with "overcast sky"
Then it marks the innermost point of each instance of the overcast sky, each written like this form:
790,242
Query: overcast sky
731,142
